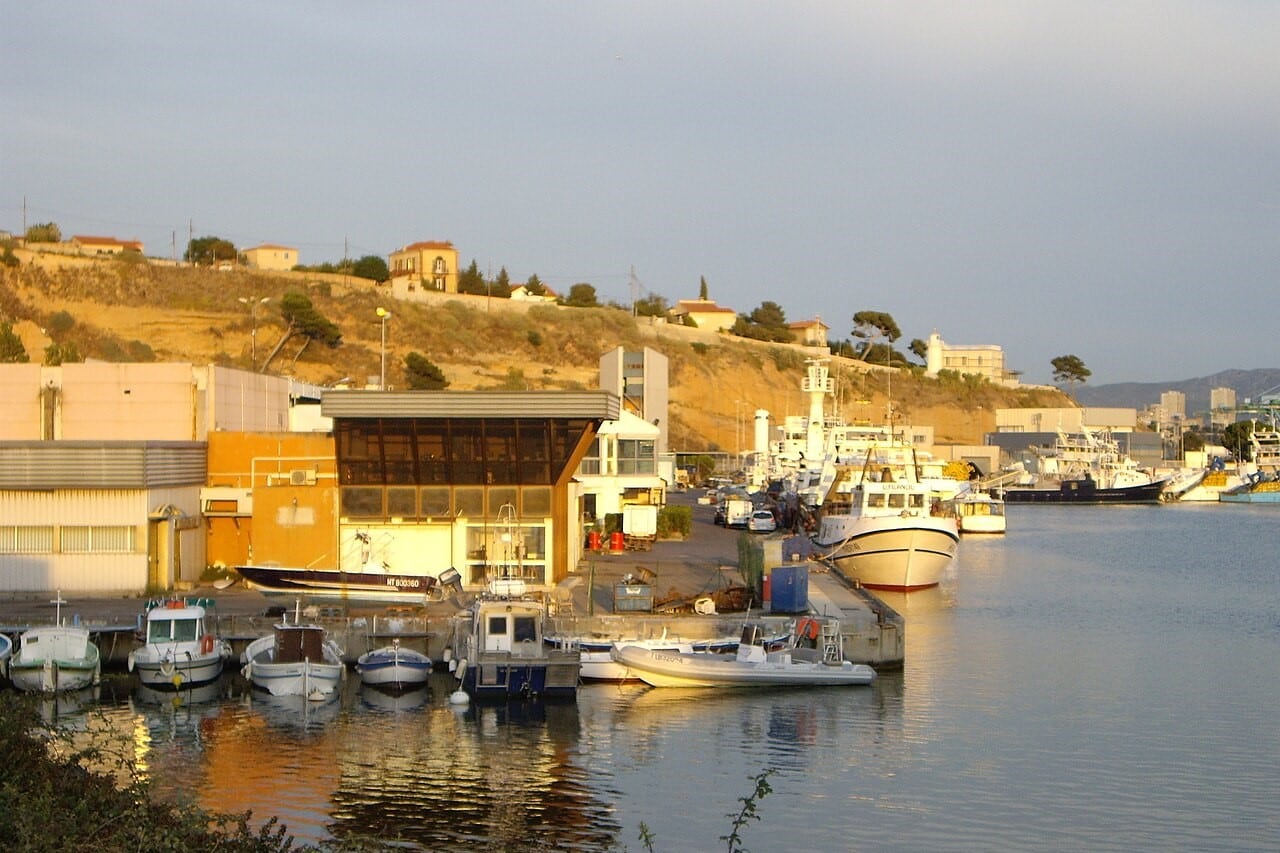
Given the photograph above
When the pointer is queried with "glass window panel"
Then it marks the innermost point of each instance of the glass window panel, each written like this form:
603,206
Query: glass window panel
184,630
436,501
498,497
535,501
468,501
525,629
75,539
402,501
361,502
534,441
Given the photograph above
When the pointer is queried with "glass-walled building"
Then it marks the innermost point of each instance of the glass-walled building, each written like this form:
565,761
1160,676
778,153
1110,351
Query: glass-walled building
473,480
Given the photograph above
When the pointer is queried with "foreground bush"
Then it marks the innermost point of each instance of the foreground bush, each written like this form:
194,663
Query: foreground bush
50,801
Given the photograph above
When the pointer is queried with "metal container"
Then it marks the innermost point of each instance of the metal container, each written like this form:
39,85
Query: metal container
789,589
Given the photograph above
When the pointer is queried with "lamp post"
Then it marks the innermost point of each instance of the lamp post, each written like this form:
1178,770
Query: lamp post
384,315
253,302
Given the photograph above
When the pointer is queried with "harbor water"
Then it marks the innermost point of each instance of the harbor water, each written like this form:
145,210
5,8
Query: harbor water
1099,678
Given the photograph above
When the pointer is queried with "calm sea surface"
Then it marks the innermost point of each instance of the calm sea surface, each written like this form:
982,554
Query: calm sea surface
1097,679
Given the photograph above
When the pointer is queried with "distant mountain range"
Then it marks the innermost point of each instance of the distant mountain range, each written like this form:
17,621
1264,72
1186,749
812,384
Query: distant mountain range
1138,395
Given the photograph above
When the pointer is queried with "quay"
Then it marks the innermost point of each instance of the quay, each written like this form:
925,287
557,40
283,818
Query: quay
583,606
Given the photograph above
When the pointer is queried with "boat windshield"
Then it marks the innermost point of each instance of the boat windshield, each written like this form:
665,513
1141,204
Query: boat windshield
165,630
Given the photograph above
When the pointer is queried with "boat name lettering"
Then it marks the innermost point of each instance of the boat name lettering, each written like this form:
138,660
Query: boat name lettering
412,583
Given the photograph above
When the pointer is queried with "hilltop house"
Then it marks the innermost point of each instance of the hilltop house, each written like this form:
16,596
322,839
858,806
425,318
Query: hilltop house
704,314
86,245
985,360
520,293
426,266
810,333
270,256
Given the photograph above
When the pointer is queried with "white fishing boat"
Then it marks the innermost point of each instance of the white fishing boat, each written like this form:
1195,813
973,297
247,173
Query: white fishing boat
815,658
295,660
394,667
180,646
55,658
979,511
883,527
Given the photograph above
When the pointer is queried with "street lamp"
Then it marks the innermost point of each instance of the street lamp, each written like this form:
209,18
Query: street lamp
384,315
253,302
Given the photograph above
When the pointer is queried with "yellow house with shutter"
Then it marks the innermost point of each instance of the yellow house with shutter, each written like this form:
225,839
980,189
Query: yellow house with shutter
428,265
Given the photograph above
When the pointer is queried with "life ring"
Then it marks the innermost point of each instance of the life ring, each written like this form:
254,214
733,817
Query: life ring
175,604
808,628
206,644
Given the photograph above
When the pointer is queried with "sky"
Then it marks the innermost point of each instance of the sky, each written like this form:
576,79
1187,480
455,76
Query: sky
1099,179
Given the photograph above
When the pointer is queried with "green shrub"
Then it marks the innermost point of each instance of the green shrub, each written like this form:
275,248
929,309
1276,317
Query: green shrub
675,520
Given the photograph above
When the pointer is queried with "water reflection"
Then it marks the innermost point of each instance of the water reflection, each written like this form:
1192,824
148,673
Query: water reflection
500,776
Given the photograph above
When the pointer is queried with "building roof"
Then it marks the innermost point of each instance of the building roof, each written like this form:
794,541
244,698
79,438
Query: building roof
470,404
272,246
87,240
701,306
805,324
425,246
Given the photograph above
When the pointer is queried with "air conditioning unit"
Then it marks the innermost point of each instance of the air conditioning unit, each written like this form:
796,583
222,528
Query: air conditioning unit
302,477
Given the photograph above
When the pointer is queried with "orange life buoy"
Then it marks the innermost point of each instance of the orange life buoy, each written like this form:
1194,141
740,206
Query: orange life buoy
808,628
174,604
206,644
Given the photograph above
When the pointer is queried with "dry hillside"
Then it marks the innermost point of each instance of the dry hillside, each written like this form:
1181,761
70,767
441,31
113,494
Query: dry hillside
142,311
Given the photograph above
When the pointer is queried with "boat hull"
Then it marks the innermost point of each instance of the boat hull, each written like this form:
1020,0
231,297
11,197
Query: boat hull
164,672
894,553
331,583
596,656
55,660
394,667
504,677
1085,492
1251,496
660,668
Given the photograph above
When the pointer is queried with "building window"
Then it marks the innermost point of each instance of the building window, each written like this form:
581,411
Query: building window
590,464
104,539
26,540
637,456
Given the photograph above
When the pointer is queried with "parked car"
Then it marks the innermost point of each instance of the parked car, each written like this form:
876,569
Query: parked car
762,521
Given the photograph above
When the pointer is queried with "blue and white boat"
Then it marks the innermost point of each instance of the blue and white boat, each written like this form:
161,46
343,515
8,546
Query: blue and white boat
394,667
498,650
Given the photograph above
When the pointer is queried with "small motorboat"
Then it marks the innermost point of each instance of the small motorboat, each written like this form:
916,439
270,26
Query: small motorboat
394,667
55,658
979,512
814,657
295,660
180,648
596,655
6,649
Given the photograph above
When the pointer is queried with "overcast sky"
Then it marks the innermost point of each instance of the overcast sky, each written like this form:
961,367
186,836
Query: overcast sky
1091,178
